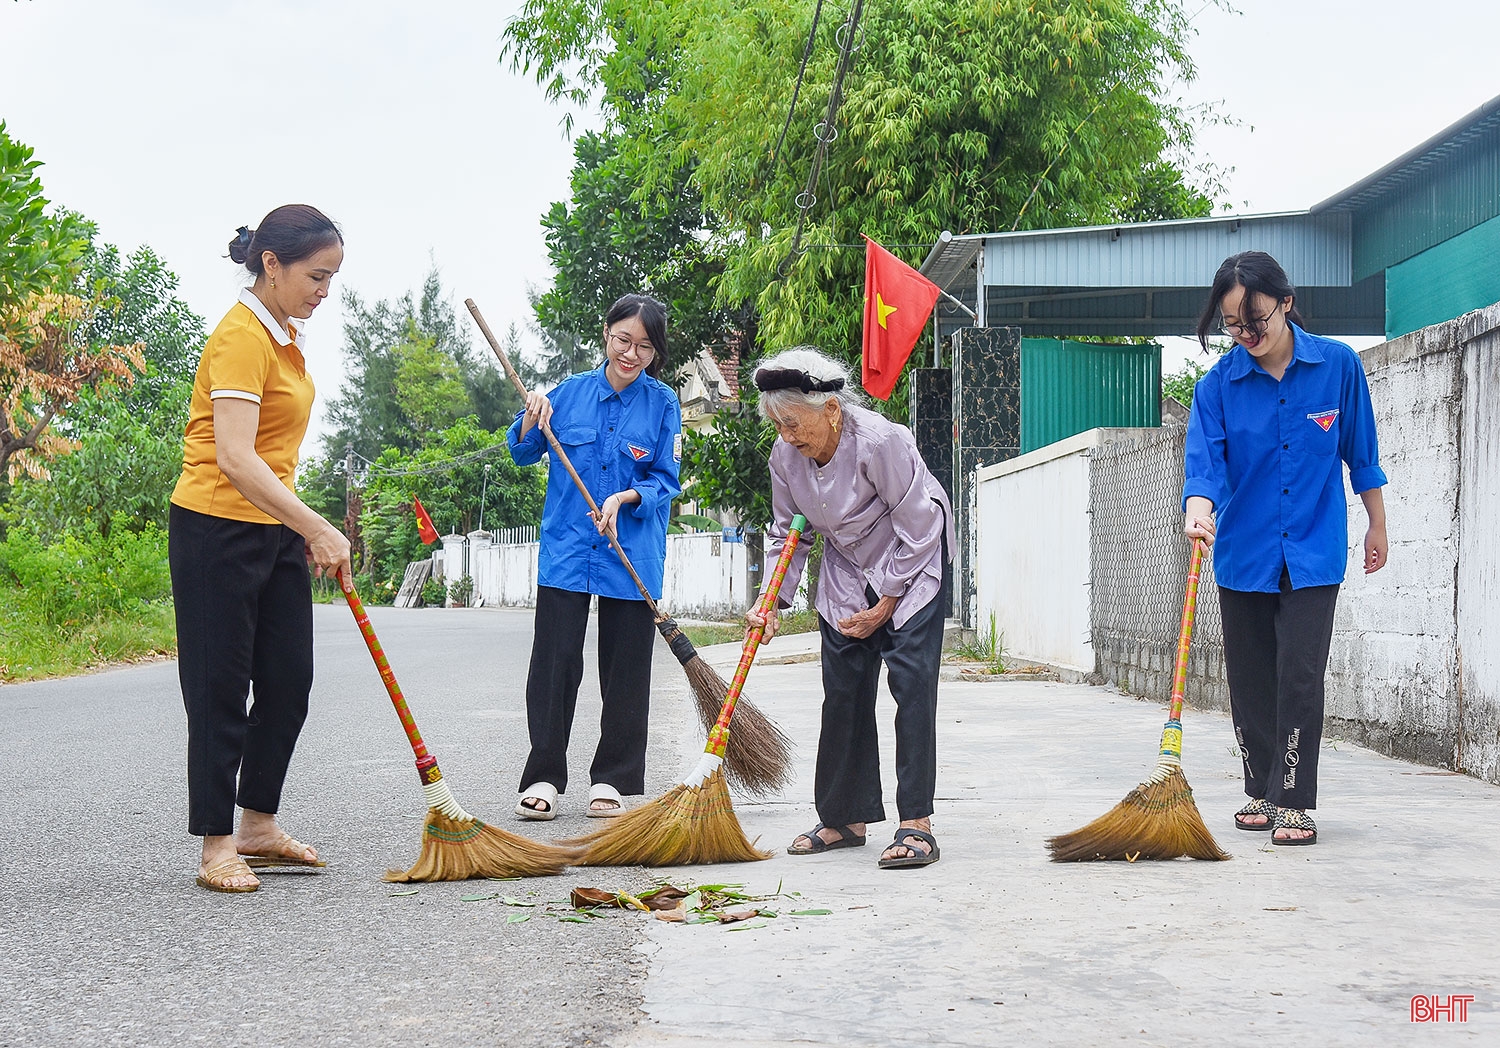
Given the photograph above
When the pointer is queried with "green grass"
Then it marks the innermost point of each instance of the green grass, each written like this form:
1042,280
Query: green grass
791,622
987,648
31,648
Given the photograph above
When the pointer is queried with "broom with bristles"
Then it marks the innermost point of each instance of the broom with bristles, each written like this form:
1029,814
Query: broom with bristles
693,823
455,845
761,763
1157,819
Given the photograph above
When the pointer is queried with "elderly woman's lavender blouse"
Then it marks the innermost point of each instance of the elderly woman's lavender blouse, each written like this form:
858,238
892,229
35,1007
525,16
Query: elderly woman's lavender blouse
883,517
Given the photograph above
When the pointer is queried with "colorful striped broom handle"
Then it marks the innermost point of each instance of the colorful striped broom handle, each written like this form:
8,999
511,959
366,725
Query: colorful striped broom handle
1170,755
427,767
718,736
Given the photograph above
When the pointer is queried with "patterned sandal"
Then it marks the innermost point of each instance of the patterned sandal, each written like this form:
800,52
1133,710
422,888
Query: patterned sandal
1292,819
1256,807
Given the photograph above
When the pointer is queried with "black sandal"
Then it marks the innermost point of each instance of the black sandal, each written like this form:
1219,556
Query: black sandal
847,839
1292,819
1256,807
916,858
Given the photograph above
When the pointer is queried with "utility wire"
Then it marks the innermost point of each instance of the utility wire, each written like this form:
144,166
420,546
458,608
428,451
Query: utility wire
801,72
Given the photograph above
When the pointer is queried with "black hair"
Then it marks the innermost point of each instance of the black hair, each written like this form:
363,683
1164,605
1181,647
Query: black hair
292,232
1259,274
653,317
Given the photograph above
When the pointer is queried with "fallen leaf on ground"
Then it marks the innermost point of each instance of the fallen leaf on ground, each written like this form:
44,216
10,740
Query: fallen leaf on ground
671,916
734,916
583,898
666,897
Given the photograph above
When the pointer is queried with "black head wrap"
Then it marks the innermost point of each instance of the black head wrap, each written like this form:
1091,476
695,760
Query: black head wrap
767,379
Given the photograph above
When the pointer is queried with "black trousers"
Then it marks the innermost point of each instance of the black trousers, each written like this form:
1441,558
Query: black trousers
244,620
846,785
1276,656
627,636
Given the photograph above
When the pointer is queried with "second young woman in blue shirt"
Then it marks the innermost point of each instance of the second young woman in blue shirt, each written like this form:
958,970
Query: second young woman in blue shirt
622,429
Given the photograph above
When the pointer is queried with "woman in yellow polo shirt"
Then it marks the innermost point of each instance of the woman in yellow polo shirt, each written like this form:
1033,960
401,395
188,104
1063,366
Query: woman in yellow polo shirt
241,547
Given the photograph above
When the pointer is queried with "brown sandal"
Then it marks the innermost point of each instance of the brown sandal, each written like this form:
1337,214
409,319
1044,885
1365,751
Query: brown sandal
286,852
216,877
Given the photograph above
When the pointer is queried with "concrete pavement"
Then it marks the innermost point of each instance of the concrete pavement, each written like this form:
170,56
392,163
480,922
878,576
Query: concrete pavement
996,945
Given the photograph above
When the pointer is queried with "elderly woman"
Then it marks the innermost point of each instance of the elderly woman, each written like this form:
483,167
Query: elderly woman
882,595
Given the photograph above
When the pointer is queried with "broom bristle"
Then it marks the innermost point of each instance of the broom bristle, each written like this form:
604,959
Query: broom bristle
686,826
1156,820
455,850
759,757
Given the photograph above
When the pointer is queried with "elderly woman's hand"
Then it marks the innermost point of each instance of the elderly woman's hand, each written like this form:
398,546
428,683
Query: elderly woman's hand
767,623
863,623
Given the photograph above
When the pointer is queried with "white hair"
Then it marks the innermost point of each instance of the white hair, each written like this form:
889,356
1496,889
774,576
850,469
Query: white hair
819,367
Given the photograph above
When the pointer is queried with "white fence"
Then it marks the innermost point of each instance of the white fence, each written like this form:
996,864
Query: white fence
705,575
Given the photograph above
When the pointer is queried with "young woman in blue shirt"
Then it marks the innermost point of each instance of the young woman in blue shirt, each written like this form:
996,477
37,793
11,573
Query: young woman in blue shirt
622,429
1273,423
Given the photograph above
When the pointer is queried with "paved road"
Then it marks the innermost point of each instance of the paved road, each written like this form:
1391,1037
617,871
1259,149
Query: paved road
107,942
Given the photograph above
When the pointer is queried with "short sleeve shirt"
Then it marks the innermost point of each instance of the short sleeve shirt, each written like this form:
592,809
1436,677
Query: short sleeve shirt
250,357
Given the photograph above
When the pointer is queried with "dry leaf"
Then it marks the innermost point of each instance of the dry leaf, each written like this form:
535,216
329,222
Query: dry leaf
734,916
672,916
664,898
584,898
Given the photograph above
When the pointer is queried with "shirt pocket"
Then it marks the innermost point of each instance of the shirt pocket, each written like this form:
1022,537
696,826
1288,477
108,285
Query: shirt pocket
637,451
1320,429
578,444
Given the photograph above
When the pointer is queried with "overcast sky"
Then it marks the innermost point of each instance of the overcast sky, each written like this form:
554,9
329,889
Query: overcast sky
171,122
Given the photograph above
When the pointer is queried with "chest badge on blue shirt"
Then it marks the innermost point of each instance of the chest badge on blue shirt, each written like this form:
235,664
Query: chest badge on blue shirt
640,453
1325,418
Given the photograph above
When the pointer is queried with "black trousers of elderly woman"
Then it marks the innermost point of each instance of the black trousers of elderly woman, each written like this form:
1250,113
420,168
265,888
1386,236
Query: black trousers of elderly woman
846,787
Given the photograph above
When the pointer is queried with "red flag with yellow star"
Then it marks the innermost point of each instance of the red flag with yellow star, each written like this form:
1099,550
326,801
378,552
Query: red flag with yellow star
425,531
898,301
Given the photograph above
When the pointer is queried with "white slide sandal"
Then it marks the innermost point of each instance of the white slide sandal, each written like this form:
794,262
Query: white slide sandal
603,791
544,792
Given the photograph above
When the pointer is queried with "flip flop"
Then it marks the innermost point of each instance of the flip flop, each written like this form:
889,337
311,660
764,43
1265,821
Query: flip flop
538,791
280,857
215,876
847,839
603,791
1292,819
915,859
1256,807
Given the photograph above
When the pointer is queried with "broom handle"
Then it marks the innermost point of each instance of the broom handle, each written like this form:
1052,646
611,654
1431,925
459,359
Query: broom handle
560,454
426,763
718,736
1185,634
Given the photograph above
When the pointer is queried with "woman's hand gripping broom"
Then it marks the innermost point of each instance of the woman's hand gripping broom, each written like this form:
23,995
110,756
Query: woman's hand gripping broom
761,763
455,845
1157,819
693,823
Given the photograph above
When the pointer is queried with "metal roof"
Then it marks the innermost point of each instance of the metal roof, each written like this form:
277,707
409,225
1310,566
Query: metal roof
1152,278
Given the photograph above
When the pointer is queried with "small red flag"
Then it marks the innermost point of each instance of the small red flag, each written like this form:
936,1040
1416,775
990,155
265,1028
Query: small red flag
425,530
898,301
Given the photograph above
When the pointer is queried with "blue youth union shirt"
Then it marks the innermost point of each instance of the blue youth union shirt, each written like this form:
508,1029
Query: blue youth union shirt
615,440
1270,457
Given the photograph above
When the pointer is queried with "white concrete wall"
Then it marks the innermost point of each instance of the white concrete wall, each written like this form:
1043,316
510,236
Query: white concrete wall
1478,656
705,576
1031,555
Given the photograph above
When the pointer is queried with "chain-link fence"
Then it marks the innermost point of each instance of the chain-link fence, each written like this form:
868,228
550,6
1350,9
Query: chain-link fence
1139,561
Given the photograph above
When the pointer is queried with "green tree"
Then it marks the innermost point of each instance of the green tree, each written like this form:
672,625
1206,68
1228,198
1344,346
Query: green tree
38,250
388,350
612,239
726,469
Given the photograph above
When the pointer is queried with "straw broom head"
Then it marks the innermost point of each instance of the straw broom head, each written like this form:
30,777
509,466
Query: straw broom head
686,826
1156,820
458,849
759,758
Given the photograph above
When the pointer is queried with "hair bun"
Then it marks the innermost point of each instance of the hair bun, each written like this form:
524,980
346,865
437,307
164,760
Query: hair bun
239,247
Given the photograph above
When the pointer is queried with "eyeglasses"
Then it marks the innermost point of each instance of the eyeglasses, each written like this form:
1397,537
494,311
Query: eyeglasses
1254,326
644,351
